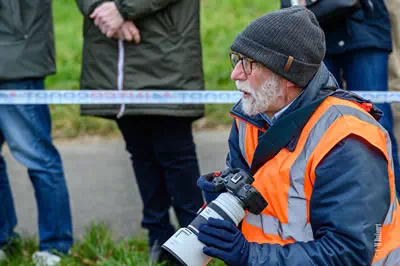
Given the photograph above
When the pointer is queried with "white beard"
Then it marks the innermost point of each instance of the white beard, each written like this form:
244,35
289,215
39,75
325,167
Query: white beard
261,98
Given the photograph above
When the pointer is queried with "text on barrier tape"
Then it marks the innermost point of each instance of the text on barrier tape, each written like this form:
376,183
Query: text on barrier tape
147,97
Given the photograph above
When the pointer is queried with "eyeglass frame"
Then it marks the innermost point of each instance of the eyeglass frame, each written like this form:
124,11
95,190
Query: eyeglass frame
241,58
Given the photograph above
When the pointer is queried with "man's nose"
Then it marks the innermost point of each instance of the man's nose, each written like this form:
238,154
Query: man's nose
238,73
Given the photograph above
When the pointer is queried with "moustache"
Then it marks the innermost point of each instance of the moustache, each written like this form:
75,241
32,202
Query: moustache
244,87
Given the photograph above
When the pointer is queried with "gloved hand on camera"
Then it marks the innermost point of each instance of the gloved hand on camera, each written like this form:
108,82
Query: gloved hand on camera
211,192
225,242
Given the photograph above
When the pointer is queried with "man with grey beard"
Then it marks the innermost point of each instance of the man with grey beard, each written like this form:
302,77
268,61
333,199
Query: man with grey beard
256,101
317,153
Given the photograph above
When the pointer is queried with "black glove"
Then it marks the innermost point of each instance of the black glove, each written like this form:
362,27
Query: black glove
210,190
225,242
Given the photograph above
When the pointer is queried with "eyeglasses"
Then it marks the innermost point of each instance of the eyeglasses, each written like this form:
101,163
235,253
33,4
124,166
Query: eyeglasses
247,63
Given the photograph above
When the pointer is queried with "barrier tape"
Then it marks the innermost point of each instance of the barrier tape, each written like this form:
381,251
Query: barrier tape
147,97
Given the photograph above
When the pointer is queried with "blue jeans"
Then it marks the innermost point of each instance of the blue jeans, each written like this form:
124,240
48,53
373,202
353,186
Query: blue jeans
367,70
27,131
164,159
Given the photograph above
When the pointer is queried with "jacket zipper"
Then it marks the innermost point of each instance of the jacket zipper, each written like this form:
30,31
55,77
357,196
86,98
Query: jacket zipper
120,76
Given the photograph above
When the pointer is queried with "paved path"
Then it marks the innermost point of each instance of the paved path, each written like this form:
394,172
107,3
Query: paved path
101,182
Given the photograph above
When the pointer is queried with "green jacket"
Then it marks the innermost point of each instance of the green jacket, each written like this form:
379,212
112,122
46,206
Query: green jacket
168,57
26,39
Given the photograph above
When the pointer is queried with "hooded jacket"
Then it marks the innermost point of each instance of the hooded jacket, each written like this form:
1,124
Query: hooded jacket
351,194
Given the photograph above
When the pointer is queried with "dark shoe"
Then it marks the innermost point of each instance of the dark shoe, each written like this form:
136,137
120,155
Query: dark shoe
159,255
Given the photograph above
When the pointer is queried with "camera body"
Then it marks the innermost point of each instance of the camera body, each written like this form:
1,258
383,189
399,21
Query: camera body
237,195
238,183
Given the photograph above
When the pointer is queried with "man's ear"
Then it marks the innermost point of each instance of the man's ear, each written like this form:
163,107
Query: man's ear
292,89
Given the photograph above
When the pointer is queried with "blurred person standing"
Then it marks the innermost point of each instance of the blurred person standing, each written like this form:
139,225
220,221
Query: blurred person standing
393,7
150,45
357,54
26,58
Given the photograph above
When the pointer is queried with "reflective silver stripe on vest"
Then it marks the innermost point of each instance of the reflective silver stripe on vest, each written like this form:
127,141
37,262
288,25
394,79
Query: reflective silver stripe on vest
297,227
392,209
271,225
242,138
393,259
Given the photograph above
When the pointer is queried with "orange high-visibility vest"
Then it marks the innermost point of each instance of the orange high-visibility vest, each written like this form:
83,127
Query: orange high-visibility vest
286,181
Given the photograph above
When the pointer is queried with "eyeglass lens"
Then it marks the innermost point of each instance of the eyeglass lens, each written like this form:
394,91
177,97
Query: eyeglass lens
246,64
234,59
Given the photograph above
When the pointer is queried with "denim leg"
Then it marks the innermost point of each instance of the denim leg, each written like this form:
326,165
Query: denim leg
176,152
367,70
334,65
27,130
149,176
8,218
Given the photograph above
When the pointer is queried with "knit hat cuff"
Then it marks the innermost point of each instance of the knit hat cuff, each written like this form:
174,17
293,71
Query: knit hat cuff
300,73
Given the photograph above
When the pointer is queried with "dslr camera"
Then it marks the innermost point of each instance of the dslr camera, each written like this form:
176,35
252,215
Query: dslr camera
237,196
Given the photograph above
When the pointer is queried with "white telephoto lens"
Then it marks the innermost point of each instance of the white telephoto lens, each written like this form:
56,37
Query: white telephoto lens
184,244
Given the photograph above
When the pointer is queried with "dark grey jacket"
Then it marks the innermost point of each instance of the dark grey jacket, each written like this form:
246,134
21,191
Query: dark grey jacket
26,39
168,57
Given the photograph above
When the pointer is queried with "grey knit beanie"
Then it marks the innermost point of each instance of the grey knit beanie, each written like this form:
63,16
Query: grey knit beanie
289,42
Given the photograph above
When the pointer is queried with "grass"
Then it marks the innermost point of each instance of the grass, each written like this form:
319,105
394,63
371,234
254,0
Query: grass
221,21
96,247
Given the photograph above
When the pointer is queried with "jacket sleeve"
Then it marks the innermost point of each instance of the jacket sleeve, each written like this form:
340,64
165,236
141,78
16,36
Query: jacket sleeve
88,6
135,9
235,158
350,198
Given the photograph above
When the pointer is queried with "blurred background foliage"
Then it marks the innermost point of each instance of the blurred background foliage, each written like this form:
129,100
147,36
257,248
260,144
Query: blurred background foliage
221,21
